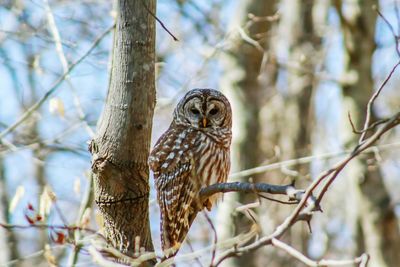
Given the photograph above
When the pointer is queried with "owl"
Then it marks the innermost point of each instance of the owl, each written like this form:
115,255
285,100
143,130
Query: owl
192,154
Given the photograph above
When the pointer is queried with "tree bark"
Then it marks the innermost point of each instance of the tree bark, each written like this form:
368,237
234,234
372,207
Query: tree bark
274,118
376,228
293,108
247,93
121,146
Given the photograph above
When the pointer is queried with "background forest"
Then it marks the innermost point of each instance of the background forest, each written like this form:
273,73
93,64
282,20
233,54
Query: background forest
299,76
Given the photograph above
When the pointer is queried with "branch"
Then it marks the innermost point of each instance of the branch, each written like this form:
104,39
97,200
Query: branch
245,187
372,100
60,51
85,205
393,122
53,88
308,159
376,94
299,211
46,226
390,26
159,21
361,261
236,241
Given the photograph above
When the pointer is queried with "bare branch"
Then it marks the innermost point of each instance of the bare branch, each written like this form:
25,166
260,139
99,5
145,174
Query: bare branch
371,127
245,187
215,237
393,122
47,226
372,100
60,51
85,204
304,160
299,210
361,261
160,22
53,88
390,26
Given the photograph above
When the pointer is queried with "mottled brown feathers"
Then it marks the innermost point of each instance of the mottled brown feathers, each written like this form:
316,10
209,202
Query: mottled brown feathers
191,154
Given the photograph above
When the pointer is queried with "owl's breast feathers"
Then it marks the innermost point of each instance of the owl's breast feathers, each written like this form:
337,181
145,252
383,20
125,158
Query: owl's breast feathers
179,142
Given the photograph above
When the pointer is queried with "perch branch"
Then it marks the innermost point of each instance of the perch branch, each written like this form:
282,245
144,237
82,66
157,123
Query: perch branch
299,211
245,187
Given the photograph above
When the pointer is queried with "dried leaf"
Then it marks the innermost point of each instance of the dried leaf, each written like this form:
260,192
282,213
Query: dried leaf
19,193
46,200
58,238
56,107
77,186
29,219
48,255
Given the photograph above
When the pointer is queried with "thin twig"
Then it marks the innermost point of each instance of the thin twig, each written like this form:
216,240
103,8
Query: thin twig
278,201
249,40
361,261
192,250
46,226
390,26
393,122
371,127
372,100
30,256
215,237
290,162
353,127
294,216
85,204
159,21
60,51
396,11
303,160
238,240
376,94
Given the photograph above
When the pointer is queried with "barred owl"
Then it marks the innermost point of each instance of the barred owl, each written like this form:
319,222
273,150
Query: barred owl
193,153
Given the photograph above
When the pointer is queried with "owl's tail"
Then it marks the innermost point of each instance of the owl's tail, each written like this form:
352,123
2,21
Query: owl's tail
174,232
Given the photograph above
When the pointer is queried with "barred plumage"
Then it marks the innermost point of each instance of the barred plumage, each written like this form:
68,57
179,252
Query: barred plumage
191,154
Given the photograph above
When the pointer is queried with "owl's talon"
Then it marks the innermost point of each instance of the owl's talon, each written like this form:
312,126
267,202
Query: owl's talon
207,204
172,250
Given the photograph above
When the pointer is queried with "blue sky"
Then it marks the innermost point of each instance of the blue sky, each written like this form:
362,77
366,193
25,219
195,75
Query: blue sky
185,66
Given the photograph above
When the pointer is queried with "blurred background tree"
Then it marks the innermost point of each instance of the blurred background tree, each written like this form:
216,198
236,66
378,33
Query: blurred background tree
292,70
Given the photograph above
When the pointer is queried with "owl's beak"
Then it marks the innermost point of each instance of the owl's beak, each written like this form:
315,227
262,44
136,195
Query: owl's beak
204,122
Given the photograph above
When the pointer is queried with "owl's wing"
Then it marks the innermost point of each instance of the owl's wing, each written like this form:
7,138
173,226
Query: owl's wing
177,185
178,191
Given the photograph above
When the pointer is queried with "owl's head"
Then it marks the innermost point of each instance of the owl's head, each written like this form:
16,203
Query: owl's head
204,109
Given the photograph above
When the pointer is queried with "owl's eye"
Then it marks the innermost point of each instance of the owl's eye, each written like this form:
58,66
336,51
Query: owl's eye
213,111
195,111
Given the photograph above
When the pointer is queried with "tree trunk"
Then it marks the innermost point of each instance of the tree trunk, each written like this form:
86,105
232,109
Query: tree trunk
293,108
121,146
275,118
243,66
377,227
